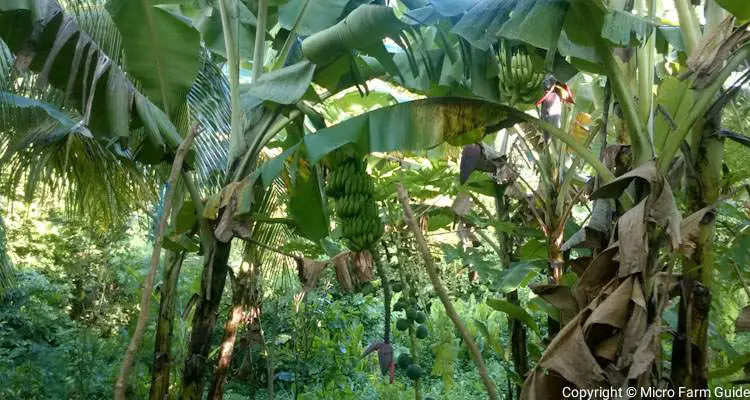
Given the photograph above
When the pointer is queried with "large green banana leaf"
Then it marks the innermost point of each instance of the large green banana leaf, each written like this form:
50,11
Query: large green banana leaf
213,33
550,24
415,125
162,52
318,15
740,8
363,29
50,43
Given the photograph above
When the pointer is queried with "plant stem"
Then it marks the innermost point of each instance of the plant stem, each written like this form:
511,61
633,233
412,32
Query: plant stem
163,341
689,25
386,296
284,52
702,104
413,346
259,51
413,350
228,24
442,293
645,56
148,285
638,139
581,151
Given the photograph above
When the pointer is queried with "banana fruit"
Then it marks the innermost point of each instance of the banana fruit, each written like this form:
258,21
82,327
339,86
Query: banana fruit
352,190
520,82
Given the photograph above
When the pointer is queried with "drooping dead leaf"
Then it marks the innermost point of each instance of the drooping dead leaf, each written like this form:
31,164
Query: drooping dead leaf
601,270
706,60
612,190
223,231
645,353
618,158
341,263
309,271
543,385
635,328
633,240
560,297
570,356
607,348
579,265
596,230
664,212
363,266
614,309
667,283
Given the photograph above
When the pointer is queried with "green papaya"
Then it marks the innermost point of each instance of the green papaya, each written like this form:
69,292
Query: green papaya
413,372
420,318
421,332
411,313
404,360
403,324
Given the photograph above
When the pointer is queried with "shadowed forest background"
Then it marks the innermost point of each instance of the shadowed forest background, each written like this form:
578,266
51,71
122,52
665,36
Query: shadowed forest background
368,199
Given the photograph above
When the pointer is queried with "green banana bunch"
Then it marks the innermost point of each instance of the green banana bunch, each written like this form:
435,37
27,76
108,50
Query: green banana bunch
352,188
519,80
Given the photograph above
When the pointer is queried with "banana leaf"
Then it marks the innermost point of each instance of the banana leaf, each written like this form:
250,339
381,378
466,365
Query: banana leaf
740,8
415,125
161,51
48,42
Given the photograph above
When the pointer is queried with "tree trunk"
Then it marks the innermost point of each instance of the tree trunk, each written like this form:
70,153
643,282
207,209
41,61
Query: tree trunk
517,329
148,285
246,295
162,343
689,352
236,315
556,264
204,320
442,294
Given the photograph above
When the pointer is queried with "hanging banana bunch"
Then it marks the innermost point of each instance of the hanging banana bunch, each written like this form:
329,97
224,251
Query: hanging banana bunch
520,81
352,188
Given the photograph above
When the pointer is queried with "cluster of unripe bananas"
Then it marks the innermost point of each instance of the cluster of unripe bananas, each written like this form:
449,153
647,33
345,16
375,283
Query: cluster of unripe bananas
352,188
520,81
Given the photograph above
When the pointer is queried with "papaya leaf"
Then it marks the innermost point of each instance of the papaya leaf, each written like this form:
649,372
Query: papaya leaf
493,341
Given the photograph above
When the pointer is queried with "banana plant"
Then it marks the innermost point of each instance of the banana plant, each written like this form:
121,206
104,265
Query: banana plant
590,46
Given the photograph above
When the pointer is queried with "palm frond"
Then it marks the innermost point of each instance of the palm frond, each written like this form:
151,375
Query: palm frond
209,105
47,153
280,272
68,117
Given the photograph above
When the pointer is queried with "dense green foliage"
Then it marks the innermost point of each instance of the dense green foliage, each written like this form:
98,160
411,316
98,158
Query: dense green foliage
596,237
